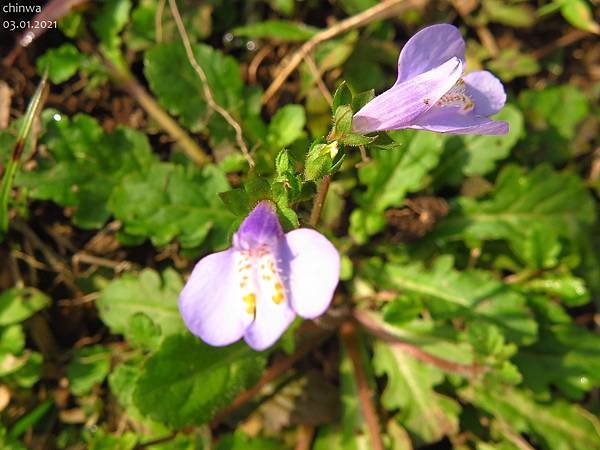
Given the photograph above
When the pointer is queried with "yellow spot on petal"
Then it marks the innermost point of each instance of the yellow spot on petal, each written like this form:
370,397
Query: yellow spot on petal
250,301
278,298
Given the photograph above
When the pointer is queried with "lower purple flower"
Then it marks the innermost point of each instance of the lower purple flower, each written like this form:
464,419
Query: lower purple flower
255,289
431,92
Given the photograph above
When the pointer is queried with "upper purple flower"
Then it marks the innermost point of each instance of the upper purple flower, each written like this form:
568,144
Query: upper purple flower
256,288
432,93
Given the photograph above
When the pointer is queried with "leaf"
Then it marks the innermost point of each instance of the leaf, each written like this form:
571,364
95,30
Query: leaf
484,151
471,294
186,382
507,14
579,14
112,18
241,441
394,172
86,166
18,304
426,414
566,356
102,440
390,175
62,63
148,293
279,30
554,425
511,63
286,126
557,203
17,147
89,367
555,108
170,201
181,93
570,290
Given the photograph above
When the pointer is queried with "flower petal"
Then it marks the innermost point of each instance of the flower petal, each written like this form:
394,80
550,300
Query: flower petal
210,302
429,48
314,265
261,227
486,91
450,120
271,320
399,106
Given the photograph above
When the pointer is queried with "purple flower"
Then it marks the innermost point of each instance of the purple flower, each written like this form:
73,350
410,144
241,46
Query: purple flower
256,288
432,93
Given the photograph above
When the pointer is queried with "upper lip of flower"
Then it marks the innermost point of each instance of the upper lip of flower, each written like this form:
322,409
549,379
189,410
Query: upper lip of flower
431,92
255,288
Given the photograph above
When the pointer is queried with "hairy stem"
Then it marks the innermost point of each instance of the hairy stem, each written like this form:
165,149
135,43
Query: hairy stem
319,201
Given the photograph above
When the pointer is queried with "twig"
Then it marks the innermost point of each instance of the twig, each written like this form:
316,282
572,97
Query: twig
365,394
319,79
271,374
256,62
205,87
157,441
563,41
158,20
469,370
305,437
382,10
319,201
129,84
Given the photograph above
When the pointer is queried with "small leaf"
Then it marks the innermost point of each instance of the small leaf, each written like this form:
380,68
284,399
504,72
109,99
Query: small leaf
579,14
89,367
62,63
17,304
286,126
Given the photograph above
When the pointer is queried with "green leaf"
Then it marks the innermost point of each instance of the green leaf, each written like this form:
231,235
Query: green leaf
18,304
473,295
62,62
554,425
511,63
569,289
186,382
394,172
17,147
150,294
579,14
89,367
566,356
12,339
342,96
559,108
170,201
557,203
86,166
112,18
484,151
390,175
103,440
241,441
279,30
180,91
519,15
286,126
426,414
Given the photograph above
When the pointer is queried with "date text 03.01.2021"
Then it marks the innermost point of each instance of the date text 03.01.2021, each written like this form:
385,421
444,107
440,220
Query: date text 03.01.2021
13,25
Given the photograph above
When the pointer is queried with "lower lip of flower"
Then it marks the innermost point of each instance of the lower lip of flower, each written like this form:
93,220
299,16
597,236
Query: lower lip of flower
257,274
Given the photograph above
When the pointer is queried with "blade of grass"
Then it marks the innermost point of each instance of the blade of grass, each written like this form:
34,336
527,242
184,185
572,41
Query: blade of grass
35,104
